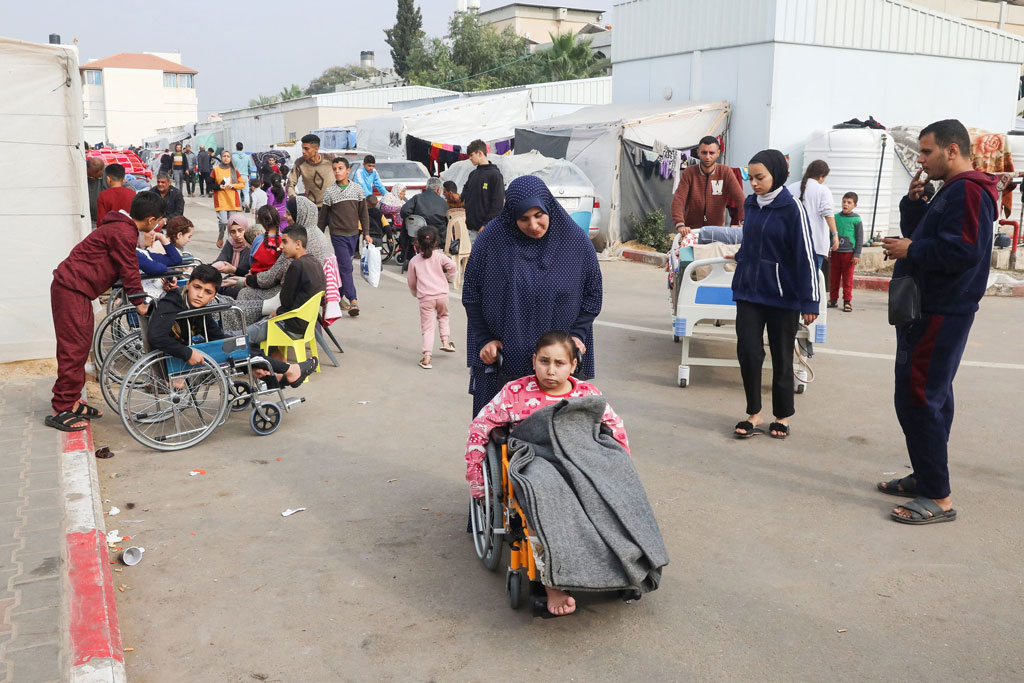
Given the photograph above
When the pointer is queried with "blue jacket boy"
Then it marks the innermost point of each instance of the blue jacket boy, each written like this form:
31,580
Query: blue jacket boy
775,264
951,246
369,181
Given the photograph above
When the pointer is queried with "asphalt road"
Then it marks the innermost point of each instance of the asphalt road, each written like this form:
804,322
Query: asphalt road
784,565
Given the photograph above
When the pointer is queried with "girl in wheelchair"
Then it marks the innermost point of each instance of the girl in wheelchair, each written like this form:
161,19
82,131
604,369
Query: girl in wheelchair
554,361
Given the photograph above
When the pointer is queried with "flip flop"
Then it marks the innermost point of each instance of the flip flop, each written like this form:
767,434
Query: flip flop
778,427
353,310
899,487
450,347
426,366
847,307
64,421
87,411
306,368
748,428
924,511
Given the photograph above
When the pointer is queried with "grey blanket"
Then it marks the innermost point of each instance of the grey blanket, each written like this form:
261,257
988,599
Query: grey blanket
583,498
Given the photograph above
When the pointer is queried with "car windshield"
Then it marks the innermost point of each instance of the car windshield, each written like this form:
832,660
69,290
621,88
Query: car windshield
395,170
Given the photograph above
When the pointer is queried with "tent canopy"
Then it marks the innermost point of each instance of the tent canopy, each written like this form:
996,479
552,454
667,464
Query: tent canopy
42,185
593,138
455,122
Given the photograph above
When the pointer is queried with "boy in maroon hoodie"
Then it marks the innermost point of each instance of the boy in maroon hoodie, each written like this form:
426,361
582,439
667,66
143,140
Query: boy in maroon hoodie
93,266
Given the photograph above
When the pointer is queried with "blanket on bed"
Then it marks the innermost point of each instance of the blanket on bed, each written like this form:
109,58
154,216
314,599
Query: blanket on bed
582,496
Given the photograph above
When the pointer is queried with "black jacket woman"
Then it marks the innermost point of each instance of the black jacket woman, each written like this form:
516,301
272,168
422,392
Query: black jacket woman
775,284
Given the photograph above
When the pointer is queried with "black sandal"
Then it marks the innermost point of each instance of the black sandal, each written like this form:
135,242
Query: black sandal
832,304
87,411
923,510
306,368
748,428
899,487
63,421
779,427
847,307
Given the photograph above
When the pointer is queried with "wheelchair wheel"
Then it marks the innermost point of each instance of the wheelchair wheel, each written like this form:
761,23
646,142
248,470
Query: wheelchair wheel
514,587
487,514
399,257
120,323
241,395
119,361
265,418
387,248
116,300
169,412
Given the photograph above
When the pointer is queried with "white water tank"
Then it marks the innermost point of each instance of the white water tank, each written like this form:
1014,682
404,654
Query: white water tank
853,157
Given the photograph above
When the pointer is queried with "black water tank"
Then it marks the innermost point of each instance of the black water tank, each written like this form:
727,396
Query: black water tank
54,39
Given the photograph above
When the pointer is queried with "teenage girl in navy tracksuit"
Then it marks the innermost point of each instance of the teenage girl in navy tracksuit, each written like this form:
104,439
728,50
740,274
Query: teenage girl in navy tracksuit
776,281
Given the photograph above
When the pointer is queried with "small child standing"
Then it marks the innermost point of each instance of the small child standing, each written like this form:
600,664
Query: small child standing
430,272
259,195
844,259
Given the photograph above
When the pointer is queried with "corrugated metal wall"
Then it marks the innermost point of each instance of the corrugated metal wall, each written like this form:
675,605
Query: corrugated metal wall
582,91
378,98
654,28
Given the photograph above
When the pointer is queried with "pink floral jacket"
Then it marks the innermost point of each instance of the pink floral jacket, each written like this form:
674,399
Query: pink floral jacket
513,404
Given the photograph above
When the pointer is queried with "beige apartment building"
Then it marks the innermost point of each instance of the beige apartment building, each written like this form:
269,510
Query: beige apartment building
536,22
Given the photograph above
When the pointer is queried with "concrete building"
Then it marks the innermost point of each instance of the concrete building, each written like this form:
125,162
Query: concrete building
792,67
130,96
537,22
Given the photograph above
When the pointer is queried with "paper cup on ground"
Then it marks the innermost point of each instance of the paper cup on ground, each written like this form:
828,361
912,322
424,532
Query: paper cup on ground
132,556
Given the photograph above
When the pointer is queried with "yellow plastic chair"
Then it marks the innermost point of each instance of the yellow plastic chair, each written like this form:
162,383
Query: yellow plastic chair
276,336
458,228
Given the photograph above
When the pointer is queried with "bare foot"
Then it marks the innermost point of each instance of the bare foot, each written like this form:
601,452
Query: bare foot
560,603
944,503
754,419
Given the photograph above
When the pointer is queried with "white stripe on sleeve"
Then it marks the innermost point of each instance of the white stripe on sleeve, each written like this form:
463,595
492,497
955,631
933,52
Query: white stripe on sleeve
805,231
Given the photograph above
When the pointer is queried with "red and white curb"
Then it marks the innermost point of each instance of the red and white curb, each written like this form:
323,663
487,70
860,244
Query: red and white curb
93,633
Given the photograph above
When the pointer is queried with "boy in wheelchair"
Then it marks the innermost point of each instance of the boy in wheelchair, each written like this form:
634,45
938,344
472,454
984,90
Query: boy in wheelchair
554,361
174,337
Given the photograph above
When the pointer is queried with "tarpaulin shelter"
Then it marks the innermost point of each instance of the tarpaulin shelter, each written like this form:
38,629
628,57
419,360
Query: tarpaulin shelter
604,140
454,123
43,191
336,138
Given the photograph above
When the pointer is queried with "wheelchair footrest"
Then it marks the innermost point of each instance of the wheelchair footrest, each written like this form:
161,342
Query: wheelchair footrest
293,401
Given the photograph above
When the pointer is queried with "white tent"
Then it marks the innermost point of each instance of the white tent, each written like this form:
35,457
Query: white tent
43,193
455,122
593,139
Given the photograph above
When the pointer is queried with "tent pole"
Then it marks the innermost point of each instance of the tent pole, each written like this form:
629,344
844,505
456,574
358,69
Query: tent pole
878,184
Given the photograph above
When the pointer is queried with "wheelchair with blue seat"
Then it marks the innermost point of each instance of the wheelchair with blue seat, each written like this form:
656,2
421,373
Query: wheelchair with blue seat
167,404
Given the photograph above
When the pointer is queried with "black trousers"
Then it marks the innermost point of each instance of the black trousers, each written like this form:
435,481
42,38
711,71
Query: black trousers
202,183
751,321
190,183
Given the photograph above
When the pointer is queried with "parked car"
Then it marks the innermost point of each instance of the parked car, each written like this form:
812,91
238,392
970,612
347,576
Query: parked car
412,173
568,184
131,162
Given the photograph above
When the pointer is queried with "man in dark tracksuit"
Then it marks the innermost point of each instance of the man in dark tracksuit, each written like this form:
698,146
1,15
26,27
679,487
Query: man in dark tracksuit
947,250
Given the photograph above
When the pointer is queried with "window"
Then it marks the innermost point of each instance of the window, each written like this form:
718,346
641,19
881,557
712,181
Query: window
94,77
170,80
185,81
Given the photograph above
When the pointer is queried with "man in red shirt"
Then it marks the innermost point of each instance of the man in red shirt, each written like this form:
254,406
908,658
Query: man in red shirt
704,190
93,266
116,197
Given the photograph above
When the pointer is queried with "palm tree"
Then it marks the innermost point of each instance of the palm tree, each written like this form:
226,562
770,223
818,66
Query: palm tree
291,92
570,58
263,100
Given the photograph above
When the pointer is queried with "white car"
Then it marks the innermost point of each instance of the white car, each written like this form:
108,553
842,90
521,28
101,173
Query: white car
568,184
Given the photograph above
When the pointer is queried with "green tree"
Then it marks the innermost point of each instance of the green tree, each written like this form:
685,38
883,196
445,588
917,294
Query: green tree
405,35
264,99
569,58
291,92
473,56
337,75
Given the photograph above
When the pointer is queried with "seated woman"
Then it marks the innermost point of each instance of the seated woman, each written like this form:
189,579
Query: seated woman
391,204
553,362
234,258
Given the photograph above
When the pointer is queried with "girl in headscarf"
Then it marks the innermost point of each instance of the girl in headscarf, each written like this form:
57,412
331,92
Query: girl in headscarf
234,258
776,281
531,270
225,198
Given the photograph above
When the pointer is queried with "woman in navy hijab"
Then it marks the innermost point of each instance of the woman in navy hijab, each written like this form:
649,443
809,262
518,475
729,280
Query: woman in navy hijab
531,270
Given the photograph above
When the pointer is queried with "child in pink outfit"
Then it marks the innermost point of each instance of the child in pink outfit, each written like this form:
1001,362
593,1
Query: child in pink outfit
430,272
552,381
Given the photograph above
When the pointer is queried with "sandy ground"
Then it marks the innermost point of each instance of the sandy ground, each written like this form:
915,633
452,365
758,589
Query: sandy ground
784,563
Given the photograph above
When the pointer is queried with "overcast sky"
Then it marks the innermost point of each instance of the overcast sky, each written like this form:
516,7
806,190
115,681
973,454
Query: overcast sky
228,43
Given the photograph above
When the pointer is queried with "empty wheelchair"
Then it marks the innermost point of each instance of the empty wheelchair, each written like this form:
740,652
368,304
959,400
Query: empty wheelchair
167,404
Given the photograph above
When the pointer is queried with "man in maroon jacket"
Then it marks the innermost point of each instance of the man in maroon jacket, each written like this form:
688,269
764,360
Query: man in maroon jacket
704,190
93,266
